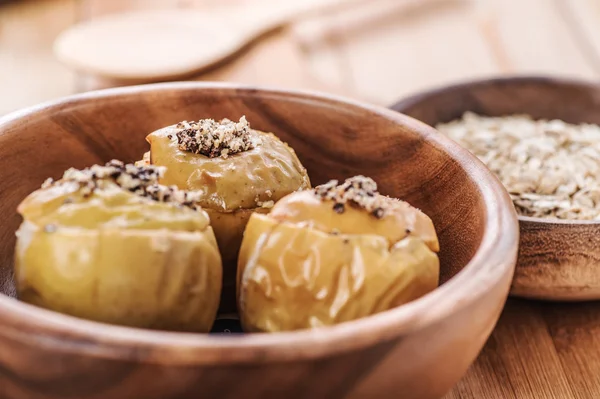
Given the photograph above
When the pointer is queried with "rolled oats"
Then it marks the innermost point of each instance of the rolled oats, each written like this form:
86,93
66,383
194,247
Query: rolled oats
550,168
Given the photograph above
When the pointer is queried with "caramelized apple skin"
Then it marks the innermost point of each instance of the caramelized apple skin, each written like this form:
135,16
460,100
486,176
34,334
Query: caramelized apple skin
267,172
304,266
117,258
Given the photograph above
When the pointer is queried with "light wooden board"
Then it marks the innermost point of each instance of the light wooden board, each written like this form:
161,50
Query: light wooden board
378,54
28,72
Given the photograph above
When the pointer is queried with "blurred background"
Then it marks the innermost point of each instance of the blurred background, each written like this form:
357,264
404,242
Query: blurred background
373,50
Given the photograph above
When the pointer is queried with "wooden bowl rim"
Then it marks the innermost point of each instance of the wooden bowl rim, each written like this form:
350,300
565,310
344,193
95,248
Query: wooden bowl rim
493,260
413,99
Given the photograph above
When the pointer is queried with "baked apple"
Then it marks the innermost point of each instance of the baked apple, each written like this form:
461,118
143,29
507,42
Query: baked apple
109,244
336,253
237,170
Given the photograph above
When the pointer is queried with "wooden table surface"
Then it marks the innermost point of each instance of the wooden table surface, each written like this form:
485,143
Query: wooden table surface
380,53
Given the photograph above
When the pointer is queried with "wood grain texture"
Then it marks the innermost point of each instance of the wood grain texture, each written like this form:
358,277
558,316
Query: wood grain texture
419,350
558,260
520,360
538,350
390,55
574,330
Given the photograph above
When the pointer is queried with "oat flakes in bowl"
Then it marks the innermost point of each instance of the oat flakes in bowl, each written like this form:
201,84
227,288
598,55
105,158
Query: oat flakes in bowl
550,168
540,136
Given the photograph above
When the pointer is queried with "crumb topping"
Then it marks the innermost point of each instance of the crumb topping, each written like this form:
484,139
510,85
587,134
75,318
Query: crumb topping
265,204
359,191
216,139
141,180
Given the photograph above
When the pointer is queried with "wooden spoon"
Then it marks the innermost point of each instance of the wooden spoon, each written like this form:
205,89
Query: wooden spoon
167,44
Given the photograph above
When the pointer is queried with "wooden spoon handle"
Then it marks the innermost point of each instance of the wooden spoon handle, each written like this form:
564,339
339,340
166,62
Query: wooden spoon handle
273,14
278,13
319,30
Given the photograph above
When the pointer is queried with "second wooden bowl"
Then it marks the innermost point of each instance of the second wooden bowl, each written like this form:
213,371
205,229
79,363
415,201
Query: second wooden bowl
558,259
418,350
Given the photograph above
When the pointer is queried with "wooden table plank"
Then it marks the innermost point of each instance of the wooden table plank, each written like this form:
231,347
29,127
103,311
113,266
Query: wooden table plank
383,26
28,71
536,37
395,55
575,330
528,353
583,18
519,360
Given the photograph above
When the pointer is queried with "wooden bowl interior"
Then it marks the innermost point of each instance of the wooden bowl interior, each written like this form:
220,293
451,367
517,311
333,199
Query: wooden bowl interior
541,98
333,140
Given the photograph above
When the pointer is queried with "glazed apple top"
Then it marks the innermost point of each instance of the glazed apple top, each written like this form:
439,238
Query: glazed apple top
355,207
231,165
115,195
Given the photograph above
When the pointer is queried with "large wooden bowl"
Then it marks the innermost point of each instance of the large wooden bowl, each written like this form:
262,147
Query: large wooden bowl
558,259
419,350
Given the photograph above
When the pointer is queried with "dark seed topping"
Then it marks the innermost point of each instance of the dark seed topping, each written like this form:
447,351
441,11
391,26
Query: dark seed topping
378,213
338,208
140,180
216,139
359,191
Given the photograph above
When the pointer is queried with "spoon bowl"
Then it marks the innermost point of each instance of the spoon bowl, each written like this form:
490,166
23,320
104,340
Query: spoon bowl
151,45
